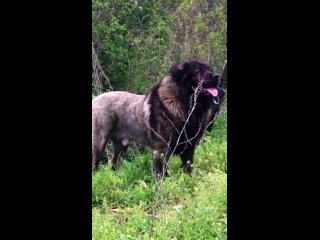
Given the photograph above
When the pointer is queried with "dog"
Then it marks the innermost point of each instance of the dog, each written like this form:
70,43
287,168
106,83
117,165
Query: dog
170,119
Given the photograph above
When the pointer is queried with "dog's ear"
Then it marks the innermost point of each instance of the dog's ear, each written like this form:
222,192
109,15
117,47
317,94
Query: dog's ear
179,71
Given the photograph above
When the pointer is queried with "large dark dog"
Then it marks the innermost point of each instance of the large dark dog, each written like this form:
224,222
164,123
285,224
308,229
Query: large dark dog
170,118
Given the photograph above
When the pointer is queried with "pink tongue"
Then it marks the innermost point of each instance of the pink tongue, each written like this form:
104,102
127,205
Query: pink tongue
213,91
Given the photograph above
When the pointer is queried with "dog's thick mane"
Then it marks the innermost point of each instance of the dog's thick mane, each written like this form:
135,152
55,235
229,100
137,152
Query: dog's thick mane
165,97
168,98
168,94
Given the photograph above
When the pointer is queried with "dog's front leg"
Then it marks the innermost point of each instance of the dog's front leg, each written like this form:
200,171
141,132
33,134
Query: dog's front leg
187,159
160,160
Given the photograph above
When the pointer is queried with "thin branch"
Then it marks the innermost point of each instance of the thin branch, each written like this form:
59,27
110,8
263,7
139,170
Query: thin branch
96,64
164,114
193,98
190,139
212,121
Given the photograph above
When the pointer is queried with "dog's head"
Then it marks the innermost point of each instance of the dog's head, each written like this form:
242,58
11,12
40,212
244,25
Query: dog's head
194,74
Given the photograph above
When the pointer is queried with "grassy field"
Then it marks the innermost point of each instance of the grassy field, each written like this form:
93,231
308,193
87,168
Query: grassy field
128,204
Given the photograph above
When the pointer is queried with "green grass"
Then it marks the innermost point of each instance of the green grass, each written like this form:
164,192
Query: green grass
127,204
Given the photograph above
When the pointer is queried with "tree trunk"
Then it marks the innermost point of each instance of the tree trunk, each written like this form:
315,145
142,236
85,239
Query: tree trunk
223,76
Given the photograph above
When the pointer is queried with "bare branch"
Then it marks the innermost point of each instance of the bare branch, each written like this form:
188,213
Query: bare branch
193,100
212,121
164,114
193,106
97,69
168,144
190,139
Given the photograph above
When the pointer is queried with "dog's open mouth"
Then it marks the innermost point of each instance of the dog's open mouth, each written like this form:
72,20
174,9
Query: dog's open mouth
212,91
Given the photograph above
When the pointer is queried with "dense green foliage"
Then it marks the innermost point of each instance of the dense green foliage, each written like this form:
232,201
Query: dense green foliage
137,41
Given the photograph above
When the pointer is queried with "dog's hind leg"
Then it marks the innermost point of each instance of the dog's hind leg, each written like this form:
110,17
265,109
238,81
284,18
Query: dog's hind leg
118,149
98,146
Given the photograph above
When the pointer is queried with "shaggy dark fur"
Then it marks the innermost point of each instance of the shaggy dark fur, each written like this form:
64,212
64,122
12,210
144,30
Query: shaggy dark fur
157,118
